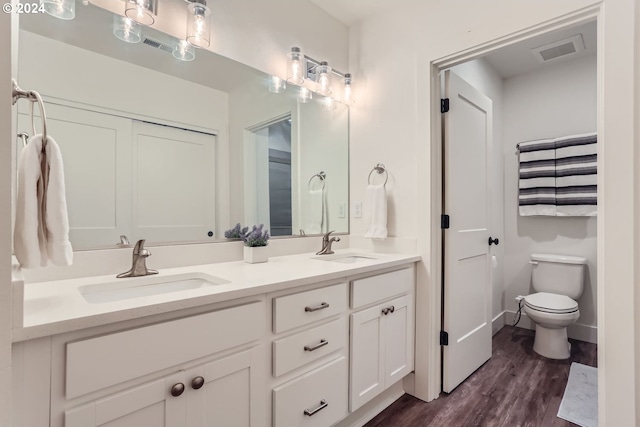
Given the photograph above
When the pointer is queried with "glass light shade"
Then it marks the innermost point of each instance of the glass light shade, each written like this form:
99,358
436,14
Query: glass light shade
347,95
323,78
329,104
296,66
141,11
199,24
61,9
184,51
304,95
276,84
126,30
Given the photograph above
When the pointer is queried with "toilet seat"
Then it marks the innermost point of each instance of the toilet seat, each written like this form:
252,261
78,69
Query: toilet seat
551,303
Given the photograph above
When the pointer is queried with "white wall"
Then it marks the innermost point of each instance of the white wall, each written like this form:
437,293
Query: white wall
558,100
391,55
483,77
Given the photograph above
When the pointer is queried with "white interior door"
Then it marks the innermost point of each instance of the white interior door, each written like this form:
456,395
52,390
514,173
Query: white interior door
467,285
174,183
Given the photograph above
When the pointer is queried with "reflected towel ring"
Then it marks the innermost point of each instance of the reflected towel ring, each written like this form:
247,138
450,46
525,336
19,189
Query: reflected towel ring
380,169
321,175
32,96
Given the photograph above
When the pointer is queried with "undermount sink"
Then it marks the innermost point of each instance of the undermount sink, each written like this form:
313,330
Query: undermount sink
135,287
347,258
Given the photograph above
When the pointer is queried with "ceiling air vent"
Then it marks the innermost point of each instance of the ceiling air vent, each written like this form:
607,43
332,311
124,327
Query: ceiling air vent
559,49
157,44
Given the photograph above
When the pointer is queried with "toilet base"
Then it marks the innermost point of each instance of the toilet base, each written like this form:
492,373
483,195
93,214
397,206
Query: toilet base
552,343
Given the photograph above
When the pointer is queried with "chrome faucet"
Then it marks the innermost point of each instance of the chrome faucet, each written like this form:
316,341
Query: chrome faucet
326,244
139,263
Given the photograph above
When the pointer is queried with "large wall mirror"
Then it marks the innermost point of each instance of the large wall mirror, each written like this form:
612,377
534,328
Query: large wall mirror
175,151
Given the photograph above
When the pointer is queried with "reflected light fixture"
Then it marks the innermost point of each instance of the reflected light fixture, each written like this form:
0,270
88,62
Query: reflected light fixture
61,9
126,30
323,78
304,95
329,104
276,84
198,23
296,68
184,51
141,11
347,96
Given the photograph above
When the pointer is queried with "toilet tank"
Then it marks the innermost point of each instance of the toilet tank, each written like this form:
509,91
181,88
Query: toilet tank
558,274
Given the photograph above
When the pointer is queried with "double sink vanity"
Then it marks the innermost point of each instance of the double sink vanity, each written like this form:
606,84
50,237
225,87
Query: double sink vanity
301,340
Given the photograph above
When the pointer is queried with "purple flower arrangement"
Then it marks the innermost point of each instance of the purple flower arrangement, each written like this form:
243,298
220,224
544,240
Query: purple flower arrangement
236,232
255,237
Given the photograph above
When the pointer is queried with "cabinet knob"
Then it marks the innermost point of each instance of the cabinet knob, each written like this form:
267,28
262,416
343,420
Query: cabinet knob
197,383
177,389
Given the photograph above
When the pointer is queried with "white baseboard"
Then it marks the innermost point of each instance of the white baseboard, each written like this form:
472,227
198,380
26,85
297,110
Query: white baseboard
497,323
576,331
372,408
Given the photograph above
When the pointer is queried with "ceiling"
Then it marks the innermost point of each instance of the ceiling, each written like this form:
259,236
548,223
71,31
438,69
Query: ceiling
518,58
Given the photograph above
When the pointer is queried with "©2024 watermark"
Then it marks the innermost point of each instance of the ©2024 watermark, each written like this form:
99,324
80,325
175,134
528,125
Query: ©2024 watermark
23,8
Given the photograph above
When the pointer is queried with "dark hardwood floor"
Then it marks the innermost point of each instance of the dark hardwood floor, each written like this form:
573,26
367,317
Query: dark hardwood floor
516,387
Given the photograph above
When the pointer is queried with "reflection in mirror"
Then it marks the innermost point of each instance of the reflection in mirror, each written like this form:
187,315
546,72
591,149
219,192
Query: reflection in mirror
175,151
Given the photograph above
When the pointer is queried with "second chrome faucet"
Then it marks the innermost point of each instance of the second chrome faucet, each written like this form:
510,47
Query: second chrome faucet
326,244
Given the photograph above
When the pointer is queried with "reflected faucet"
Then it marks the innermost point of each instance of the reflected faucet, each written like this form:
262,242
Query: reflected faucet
326,244
139,262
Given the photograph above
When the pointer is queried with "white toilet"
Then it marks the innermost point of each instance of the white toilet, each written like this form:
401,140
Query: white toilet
558,281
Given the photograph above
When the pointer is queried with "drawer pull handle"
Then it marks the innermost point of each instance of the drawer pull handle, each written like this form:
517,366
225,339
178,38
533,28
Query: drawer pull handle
197,383
310,412
177,389
322,343
388,310
322,306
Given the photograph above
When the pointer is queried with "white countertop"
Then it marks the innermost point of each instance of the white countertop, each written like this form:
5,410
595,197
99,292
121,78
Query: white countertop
57,306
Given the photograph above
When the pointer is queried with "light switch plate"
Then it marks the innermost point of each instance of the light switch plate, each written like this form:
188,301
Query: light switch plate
342,210
357,209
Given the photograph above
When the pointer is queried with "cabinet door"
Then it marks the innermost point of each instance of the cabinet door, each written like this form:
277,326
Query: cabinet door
149,405
367,349
398,339
228,392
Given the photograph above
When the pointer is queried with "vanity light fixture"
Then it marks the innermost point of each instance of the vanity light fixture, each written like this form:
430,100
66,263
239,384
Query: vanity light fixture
184,51
276,84
347,96
323,78
296,68
329,104
304,95
61,9
198,23
126,30
142,11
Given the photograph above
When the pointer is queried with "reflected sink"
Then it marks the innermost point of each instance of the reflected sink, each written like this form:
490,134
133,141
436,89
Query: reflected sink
348,258
135,287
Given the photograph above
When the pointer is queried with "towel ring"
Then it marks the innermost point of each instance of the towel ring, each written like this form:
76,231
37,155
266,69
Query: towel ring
321,175
380,169
24,136
32,96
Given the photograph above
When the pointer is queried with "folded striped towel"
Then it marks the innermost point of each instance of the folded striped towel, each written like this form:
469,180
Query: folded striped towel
537,183
576,175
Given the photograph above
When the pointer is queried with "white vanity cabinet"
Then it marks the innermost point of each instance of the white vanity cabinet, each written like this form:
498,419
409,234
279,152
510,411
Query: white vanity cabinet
382,336
202,380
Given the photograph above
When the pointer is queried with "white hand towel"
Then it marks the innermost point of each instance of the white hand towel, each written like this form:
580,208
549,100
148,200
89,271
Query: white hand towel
42,226
375,212
316,212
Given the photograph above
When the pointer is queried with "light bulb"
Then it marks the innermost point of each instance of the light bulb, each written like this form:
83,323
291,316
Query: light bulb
61,9
347,97
184,51
304,95
141,11
276,84
329,104
295,66
199,24
323,73
126,30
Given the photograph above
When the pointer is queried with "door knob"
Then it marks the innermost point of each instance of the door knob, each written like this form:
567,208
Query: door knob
177,389
493,241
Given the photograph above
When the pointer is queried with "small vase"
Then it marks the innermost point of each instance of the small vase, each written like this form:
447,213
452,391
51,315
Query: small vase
255,254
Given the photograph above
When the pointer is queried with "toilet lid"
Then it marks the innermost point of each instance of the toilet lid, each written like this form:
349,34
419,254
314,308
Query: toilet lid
551,303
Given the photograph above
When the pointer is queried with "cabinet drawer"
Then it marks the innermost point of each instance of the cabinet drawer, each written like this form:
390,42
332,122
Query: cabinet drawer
316,399
383,286
101,362
300,309
304,347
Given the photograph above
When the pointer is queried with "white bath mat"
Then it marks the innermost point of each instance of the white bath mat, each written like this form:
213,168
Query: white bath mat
580,401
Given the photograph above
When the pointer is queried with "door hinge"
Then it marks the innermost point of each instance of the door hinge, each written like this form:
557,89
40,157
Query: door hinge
444,338
444,105
444,221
